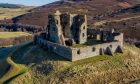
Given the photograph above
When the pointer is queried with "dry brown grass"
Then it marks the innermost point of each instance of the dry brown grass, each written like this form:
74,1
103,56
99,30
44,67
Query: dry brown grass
49,68
120,69
13,71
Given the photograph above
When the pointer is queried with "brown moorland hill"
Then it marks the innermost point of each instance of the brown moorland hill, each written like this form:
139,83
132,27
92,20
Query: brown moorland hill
92,8
98,11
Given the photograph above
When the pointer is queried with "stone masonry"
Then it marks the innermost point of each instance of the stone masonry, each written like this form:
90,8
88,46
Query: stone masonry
67,29
68,36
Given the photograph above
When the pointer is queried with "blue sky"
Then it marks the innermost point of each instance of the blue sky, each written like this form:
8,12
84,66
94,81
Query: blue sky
28,2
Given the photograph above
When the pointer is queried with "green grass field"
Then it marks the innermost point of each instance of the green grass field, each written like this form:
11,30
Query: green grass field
13,34
7,13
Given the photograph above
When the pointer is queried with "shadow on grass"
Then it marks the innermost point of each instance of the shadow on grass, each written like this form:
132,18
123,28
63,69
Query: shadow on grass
35,54
7,81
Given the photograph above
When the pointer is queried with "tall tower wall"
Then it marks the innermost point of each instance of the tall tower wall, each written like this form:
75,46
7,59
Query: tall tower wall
79,29
55,29
70,28
83,31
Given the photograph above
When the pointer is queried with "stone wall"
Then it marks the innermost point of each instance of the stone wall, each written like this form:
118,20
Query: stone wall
120,38
55,28
65,27
95,50
74,54
79,29
61,50
83,31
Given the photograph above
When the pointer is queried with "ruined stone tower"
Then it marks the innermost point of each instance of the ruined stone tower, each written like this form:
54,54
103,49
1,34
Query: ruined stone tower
67,29
54,28
79,29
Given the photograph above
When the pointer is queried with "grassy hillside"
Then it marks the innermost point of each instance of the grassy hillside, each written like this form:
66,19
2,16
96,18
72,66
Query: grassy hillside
13,34
13,72
8,13
46,67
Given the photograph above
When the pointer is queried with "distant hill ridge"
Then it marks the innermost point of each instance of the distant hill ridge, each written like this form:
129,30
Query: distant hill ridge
7,5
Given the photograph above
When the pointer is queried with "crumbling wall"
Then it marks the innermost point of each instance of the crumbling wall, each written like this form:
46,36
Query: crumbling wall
65,23
79,29
120,38
74,54
92,33
55,29
83,31
63,27
61,50
95,50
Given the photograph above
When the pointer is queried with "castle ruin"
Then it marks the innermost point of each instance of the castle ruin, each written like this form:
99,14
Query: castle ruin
68,36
